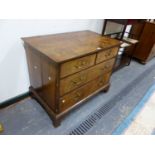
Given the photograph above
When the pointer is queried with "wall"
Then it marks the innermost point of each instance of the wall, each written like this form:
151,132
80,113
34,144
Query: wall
14,78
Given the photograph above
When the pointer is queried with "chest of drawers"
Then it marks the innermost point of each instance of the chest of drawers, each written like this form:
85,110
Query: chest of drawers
67,69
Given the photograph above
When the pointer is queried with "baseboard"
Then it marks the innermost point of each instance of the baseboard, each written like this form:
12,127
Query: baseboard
14,100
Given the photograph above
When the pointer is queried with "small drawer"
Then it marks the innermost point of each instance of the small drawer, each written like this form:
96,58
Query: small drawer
79,94
76,80
107,54
77,65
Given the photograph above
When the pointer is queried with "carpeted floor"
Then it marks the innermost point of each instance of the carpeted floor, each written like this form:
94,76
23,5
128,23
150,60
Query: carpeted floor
102,114
141,121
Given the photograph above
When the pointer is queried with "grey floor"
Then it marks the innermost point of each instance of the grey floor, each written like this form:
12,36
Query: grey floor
128,86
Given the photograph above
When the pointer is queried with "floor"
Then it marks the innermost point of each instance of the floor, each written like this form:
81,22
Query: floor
102,114
141,121
144,122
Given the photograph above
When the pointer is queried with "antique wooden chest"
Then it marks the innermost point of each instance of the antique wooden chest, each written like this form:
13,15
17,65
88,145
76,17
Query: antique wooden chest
66,69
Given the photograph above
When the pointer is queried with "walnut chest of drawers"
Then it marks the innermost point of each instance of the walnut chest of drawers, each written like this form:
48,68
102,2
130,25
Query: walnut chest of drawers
67,69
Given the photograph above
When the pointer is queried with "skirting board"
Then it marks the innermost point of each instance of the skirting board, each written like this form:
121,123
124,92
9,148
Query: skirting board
14,100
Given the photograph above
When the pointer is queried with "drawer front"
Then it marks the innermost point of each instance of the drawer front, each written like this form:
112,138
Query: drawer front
107,54
74,81
77,65
83,92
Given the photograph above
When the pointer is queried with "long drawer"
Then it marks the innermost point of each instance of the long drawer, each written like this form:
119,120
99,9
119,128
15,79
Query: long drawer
77,65
74,81
107,54
75,96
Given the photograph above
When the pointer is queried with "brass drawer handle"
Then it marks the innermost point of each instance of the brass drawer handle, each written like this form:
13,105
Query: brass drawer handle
101,83
77,96
105,67
107,54
78,67
81,64
81,80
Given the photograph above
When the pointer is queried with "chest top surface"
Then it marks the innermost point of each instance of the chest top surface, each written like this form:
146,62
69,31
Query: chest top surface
66,46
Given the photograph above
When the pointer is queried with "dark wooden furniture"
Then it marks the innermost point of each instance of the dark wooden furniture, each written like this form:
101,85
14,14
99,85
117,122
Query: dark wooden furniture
125,55
145,49
123,22
67,69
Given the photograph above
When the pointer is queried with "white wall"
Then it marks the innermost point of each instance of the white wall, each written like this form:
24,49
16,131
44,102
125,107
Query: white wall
14,78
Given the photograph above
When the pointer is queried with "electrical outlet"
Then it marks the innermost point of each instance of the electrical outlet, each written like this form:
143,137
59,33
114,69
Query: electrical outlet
1,128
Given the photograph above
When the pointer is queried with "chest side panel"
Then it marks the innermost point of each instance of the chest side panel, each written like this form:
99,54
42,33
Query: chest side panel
42,73
34,67
49,74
